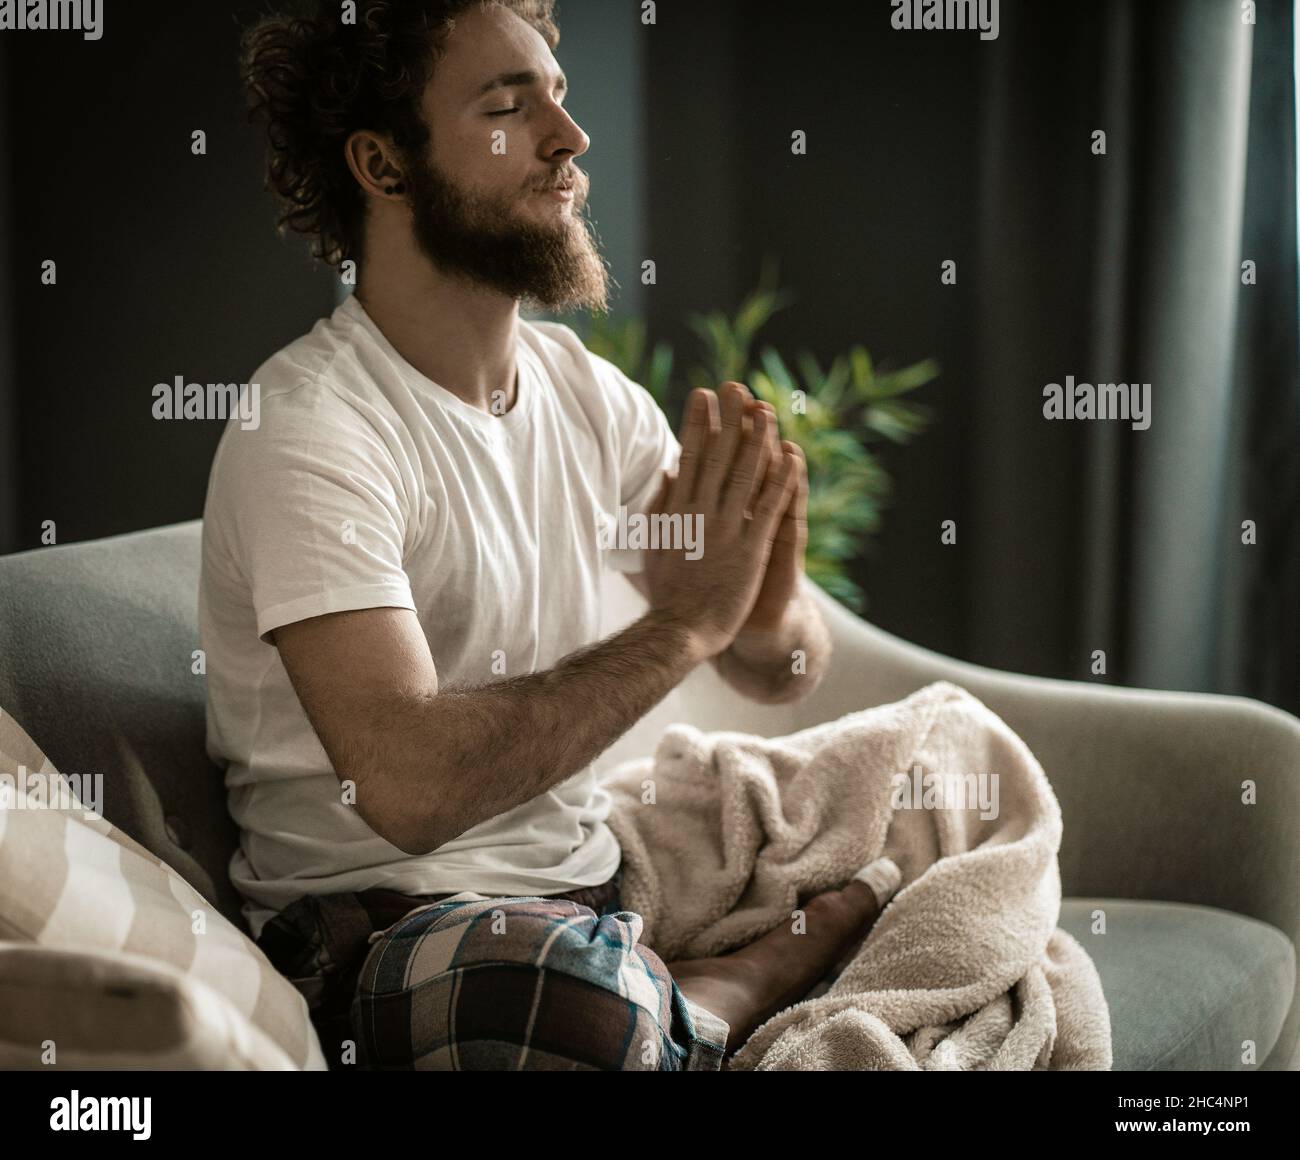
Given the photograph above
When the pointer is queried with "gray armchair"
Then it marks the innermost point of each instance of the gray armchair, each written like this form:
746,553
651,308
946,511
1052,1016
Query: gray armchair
1201,892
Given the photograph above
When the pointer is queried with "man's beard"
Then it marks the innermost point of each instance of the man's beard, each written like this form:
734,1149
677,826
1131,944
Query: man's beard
483,240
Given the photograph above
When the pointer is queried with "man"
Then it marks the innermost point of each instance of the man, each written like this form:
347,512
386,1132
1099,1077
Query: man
401,576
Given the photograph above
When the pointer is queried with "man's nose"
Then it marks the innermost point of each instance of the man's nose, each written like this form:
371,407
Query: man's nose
567,136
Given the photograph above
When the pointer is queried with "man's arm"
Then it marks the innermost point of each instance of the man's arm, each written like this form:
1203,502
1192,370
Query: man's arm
430,763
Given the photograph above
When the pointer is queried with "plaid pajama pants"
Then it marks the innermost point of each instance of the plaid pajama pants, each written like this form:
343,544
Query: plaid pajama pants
541,984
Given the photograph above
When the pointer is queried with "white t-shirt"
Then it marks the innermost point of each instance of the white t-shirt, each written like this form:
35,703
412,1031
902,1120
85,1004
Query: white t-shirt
366,485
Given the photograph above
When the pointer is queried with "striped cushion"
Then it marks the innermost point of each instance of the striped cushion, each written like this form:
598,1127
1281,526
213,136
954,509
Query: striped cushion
70,879
103,1010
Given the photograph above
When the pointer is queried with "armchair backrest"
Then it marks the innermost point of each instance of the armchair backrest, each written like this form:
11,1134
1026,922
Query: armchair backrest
97,648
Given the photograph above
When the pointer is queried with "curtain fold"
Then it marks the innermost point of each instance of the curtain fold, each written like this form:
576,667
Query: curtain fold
1134,537
1259,587
1186,246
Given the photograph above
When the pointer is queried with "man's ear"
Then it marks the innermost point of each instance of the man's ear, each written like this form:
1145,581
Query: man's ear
373,161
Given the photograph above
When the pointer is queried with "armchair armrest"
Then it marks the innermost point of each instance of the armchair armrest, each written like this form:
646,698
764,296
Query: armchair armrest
1150,783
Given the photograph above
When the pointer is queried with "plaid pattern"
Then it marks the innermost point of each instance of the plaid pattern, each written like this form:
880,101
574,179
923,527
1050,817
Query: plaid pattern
560,983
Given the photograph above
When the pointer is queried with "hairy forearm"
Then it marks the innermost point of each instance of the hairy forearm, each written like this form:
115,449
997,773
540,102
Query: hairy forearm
458,757
782,665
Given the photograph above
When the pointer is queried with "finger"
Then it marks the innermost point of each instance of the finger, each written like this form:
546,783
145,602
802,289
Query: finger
768,453
793,529
775,496
746,430
774,449
799,497
665,490
776,434
747,472
721,451
698,429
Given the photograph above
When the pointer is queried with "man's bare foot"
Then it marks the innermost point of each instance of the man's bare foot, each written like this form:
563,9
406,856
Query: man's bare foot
749,986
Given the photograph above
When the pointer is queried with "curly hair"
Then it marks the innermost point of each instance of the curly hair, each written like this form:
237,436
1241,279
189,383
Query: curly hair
314,81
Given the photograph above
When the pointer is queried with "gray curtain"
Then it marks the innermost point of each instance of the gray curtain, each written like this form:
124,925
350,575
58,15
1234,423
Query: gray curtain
1127,268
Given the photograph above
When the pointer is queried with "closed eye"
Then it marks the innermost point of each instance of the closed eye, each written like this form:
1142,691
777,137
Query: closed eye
503,113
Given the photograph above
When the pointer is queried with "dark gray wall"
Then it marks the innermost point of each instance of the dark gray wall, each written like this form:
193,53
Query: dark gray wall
601,52
859,225
168,264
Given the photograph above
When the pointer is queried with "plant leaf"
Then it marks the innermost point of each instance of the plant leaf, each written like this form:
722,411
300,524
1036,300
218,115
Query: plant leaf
899,382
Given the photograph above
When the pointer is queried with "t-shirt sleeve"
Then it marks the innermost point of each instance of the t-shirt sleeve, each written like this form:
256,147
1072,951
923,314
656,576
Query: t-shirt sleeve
647,448
314,510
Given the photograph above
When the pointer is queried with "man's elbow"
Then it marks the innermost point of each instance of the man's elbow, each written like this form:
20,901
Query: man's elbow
403,818
414,840
789,691
777,684
416,836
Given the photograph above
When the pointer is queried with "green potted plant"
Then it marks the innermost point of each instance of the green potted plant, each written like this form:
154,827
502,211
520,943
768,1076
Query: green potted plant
835,415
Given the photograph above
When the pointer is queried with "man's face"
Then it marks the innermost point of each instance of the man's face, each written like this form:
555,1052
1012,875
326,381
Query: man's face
483,199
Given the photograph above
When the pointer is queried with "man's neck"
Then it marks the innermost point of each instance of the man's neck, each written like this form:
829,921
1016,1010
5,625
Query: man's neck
461,337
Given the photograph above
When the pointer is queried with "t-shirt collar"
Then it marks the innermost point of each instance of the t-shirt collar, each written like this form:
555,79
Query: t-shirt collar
449,402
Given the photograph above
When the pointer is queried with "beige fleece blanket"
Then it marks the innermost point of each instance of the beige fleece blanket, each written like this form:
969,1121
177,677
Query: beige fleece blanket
724,834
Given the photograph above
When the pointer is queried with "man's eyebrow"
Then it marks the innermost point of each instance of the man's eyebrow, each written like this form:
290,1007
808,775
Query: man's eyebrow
520,79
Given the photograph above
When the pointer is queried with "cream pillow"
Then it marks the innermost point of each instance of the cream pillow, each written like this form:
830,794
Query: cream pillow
101,1010
71,880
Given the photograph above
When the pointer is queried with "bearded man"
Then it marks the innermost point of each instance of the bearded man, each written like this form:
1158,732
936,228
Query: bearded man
402,564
